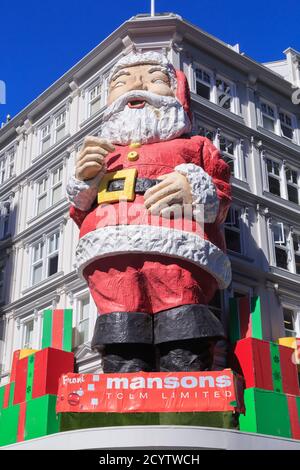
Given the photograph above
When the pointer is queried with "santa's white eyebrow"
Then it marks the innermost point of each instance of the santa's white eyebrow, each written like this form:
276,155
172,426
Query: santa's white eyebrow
158,69
118,74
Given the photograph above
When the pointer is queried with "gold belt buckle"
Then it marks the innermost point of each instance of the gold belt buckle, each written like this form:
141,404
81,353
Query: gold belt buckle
127,193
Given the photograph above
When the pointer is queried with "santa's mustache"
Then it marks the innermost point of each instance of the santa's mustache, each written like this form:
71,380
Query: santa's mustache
152,99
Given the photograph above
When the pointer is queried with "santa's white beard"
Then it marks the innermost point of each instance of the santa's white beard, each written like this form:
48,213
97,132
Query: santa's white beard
162,118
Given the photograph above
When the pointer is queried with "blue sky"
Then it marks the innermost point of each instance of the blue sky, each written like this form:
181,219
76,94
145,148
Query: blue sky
42,40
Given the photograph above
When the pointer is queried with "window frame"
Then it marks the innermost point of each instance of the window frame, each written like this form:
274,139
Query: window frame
7,168
214,97
2,282
292,126
80,321
25,322
99,97
45,257
50,122
296,320
50,186
239,230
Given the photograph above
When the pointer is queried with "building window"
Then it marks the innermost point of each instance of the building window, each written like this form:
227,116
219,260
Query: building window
94,99
49,190
224,93
217,89
205,132
2,277
83,320
7,163
292,178
5,219
28,328
60,126
203,83
45,254
286,125
227,147
268,116
232,228
282,246
53,130
296,248
273,169
289,318
56,185
42,195
45,132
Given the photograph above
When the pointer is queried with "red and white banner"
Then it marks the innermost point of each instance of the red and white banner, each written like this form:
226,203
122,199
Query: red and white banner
149,392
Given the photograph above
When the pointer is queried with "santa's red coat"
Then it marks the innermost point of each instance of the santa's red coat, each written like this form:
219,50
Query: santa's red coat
134,262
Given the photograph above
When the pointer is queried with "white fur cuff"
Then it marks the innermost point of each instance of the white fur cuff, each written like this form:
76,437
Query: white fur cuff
82,194
204,192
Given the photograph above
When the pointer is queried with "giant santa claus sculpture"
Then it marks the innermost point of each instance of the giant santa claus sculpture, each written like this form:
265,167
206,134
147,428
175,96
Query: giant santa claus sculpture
150,201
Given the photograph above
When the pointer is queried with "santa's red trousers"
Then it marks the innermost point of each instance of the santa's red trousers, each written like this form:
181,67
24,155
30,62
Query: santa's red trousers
147,283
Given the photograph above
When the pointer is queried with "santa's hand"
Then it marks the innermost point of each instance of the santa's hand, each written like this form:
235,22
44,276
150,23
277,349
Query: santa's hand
173,190
91,158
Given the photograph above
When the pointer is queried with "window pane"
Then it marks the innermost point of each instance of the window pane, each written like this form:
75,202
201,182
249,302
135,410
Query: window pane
46,144
56,194
297,262
37,274
281,258
37,252
274,186
42,204
287,132
84,308
53,242
95,106
53,265
203,90
60,133
230,163
293,194
268,123
233,241
28,334
206,133
83,332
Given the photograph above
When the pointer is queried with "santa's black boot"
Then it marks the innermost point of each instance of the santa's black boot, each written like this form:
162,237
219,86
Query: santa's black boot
188,355
128,358
185,337
125,340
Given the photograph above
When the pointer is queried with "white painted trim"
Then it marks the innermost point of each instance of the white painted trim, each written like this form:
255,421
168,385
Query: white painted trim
156,437
119,239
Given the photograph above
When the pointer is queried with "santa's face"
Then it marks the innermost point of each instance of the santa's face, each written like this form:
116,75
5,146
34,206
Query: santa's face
140,77
142,107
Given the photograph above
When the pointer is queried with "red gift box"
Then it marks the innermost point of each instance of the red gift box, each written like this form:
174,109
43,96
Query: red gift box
267,366
38,374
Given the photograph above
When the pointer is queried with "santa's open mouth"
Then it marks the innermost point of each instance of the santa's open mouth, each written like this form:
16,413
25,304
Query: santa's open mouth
136,104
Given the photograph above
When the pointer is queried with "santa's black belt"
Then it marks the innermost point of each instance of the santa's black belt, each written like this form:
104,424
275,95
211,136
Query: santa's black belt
141,185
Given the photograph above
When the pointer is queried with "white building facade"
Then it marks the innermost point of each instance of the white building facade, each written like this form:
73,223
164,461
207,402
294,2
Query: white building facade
250,111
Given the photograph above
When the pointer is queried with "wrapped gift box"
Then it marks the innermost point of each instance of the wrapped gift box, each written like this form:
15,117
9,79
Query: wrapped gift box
57,329
39,373
245,318
29,420
267,366
7,395
293,343
270,413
